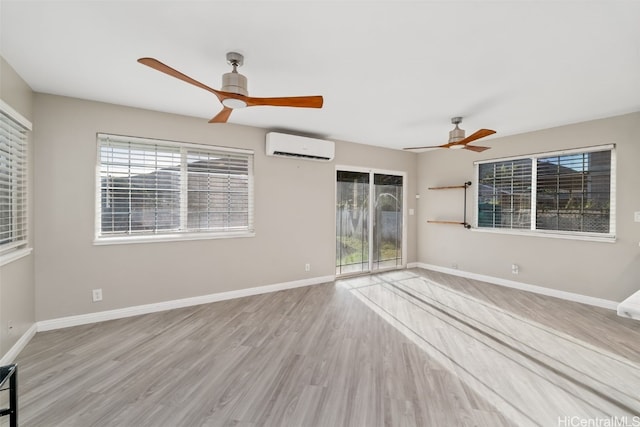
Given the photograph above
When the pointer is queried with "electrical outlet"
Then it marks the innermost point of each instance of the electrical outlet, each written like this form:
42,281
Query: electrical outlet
636,216
454,266
96,295
515,269
307,267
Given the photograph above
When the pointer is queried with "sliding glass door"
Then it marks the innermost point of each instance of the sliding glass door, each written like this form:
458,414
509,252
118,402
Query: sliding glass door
369,221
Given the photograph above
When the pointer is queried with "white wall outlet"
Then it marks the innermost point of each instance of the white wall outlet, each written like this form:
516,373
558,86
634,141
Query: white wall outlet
454,265
307,267
515,269
411,211
636,216
96,294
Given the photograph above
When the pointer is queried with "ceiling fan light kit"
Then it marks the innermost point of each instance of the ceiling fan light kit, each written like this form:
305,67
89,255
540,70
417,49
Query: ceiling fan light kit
234,93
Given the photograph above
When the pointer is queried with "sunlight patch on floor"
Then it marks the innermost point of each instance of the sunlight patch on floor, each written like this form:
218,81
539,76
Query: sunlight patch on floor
531,373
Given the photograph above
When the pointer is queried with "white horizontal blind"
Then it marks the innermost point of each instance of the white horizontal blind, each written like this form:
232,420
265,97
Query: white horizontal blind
574,192
217,188
152,187
504,194
13,184
140,187
570,192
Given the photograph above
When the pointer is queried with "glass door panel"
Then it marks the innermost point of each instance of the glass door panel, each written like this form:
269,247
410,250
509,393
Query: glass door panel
352,222
387,223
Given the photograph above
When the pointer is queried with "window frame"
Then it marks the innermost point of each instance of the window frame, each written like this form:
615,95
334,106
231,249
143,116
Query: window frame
609,237
182,234
16,249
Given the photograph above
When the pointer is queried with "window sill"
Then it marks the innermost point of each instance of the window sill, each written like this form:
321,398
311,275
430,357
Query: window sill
14,255
552,235
125,240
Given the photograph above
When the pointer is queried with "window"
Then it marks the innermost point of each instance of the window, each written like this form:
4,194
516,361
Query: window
570,192
151,188
13,180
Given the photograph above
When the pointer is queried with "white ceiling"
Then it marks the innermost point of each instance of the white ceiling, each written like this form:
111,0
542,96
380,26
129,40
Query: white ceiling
392,73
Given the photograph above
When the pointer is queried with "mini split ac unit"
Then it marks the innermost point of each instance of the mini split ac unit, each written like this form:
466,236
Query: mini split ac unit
282,144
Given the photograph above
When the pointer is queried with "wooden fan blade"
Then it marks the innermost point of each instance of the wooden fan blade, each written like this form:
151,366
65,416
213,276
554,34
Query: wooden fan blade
157,65
291,101
476,135
222,116
476,148
428,146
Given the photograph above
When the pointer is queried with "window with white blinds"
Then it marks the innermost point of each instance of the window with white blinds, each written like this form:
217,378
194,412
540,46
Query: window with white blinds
504,194
152,188
13,180
570,192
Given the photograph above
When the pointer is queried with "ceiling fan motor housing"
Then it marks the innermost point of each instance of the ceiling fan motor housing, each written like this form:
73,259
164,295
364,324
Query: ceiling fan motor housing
456,134
234,82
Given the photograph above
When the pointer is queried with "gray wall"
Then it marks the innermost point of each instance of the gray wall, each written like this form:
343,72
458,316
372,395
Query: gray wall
604,270
294,214
294,211
16,278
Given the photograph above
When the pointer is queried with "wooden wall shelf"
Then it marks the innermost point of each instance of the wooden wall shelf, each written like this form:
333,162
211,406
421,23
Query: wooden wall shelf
450,186
464,214
446,222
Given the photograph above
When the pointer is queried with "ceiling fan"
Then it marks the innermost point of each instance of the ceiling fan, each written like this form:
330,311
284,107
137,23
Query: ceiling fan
234,92
457,139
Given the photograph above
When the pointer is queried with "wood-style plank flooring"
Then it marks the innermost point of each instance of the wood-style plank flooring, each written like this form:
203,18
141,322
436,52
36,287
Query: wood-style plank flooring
532,373
404,348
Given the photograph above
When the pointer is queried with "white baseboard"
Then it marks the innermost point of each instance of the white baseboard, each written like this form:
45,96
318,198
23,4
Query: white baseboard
83,319
413,265
570,296
13,352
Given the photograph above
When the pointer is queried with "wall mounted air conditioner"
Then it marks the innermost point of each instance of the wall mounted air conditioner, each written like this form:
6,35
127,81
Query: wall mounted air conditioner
285,145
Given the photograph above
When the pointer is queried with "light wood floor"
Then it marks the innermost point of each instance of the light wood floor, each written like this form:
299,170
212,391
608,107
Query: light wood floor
406,348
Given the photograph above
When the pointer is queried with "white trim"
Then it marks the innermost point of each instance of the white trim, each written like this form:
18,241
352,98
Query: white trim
171,143
613,208
569,235
14,255
19,118
405,210
534,156
413,265
569,296
13,352
101,316
176,237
